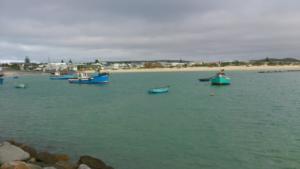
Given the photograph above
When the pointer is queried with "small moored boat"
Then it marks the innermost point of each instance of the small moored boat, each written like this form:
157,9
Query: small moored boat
1,72
21,86
60,76
220,79
159,90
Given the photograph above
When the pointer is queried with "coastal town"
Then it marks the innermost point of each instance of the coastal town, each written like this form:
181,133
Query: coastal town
154,65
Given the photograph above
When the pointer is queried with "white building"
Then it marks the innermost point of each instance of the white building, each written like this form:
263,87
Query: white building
56,66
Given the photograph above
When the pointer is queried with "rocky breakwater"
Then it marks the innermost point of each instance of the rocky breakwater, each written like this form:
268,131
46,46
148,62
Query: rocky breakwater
15,155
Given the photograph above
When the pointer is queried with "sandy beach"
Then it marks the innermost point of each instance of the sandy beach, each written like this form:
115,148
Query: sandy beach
199,69
11,73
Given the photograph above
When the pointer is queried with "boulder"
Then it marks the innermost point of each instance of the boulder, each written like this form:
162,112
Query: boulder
32,152
32,160
33,166
83,166
61,157
46,157
92,162
15,165
14,142
9,152
64,165
49,168
49,158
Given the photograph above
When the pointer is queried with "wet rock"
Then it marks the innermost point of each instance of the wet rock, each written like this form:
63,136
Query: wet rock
92,162
33,166
41,164
32,152
14,142
9,152
49,158
64,165
61,157
83,166
49,167
15,165
32,160
46,158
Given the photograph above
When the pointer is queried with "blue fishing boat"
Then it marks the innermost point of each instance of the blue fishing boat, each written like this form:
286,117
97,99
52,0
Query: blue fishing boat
220,79
63,77
159,90
98,78
59,76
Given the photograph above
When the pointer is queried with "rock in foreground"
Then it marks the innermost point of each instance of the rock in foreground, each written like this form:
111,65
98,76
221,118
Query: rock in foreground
14,155
15,165
93,163
9,152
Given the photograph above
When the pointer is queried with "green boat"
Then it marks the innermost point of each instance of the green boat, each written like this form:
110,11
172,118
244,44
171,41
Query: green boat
220,79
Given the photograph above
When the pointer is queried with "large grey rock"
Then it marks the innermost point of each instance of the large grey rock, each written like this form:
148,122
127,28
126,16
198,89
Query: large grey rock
49,158
32,152
9,152
49,168
93,162
83,166
46,157
33,166
64,165
15,165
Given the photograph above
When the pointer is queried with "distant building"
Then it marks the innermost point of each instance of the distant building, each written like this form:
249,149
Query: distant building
56,66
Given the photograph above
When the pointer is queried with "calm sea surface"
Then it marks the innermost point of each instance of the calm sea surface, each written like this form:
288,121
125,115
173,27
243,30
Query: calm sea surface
252,124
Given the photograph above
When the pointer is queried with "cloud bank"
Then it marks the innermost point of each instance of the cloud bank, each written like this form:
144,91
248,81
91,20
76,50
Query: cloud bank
144,29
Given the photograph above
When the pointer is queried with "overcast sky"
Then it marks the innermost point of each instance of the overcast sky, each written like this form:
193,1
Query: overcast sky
149,29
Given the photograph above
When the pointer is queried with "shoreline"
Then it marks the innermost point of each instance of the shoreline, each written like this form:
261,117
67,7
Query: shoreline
206,69
11,73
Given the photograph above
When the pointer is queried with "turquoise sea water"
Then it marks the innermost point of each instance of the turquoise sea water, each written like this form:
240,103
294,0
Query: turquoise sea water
252,124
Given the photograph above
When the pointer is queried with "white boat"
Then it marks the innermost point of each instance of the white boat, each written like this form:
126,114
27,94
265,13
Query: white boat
21,86
1,72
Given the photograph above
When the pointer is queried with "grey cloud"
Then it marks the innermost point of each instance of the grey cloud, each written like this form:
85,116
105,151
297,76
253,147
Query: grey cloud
143,29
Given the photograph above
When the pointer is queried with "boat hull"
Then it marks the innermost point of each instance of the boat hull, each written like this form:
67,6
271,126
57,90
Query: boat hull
21,86
101,79
158,90
220,80
63,77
